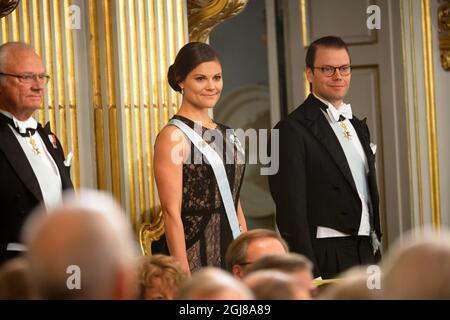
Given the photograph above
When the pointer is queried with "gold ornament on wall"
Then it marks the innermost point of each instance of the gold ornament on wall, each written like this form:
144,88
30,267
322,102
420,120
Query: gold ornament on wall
444,33
7,6
149,233
204,15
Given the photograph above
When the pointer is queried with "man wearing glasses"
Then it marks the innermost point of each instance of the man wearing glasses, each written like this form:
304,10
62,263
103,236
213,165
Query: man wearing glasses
32,165
325,190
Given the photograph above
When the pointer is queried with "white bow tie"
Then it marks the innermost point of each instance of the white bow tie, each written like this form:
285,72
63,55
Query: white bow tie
345,110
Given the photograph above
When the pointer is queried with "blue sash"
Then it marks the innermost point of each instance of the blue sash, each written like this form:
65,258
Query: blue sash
219,172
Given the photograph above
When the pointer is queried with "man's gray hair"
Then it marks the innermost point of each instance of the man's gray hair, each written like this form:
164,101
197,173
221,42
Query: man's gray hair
89,230
5,50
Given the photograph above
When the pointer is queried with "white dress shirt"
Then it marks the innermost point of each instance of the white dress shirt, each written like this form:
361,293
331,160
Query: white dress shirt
49,179
364,227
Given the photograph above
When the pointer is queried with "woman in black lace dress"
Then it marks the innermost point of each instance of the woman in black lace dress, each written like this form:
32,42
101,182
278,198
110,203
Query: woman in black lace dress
197,228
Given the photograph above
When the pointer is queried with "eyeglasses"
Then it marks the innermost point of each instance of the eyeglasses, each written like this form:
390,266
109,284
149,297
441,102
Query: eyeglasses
329,71
28,77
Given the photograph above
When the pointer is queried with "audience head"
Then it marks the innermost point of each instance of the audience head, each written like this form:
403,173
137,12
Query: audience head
276,285
350,285
294,264
418,267
160,277
214,284
15,280
251,246
82,249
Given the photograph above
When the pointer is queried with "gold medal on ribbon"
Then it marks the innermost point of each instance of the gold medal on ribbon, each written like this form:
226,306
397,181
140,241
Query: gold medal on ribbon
347,133
34,146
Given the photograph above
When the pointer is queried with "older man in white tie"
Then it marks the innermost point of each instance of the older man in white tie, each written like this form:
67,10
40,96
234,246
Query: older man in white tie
32,165
325,189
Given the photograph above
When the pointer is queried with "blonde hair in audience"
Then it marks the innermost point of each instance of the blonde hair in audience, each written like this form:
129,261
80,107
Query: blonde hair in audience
166,268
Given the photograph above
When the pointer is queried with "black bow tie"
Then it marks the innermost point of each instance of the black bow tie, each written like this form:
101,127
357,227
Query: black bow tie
29,131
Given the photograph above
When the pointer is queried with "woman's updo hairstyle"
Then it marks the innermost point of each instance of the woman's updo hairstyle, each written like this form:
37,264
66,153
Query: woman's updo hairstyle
187,59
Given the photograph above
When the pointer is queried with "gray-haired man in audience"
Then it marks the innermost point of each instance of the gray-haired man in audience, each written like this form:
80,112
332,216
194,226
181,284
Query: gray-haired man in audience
82,249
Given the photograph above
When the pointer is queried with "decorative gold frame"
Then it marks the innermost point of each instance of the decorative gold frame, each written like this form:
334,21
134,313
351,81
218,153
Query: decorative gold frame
149,232
444,33
203,15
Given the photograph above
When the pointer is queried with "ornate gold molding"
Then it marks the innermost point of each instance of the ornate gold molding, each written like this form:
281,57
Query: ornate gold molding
7,6
444,33
415,109
204,15
150,232
431,114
